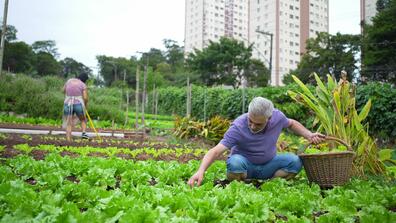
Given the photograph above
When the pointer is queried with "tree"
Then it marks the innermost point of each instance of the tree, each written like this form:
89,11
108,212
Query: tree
382,4
11,32
379,42
18,57
328,54
47,65
112,69
47,46
174,54
257,74
223,62
71,67
154,56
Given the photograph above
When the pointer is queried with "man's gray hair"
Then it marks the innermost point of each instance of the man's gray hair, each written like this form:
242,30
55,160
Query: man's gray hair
261,106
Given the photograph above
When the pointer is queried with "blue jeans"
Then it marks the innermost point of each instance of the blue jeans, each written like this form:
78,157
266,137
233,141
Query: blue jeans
76,109
287,162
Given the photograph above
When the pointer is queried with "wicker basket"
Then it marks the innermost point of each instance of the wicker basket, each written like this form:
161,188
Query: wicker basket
329,169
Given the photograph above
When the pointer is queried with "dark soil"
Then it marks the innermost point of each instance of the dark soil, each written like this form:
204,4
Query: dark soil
152,182
393,209
98,154
31,181
55,128
67,153
38,154
33,140
73,179
10,140
10,153
137,141
225,182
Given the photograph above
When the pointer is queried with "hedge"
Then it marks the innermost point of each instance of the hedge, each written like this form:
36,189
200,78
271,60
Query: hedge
228,104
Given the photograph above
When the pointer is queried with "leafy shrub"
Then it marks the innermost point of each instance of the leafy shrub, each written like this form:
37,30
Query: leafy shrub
43,97
335,111
213,129
226,102
382,117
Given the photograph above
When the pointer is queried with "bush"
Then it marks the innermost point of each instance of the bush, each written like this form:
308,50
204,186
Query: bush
225,102
43,97
382,117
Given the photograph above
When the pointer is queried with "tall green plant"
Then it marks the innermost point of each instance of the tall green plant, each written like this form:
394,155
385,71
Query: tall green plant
335,111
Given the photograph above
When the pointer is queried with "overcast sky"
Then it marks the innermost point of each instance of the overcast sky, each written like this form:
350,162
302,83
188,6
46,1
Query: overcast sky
83,29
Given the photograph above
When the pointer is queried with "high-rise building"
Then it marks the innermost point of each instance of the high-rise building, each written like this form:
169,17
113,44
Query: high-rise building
289,23
368,9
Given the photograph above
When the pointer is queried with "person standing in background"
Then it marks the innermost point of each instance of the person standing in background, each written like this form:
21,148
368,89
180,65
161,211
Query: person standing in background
75,104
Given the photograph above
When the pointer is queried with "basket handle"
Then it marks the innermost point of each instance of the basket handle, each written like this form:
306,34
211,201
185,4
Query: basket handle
328,138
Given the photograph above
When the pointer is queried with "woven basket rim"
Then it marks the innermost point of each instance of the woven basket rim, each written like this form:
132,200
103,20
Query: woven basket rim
328,154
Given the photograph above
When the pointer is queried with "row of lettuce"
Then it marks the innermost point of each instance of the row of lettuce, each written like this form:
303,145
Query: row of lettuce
151,152
114,190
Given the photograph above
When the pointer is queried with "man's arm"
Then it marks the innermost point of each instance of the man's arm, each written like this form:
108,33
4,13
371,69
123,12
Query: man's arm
299,129
208,159
85,97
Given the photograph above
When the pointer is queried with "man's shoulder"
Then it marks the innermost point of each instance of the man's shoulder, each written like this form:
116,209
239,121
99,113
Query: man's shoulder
240,120
277,113
278,118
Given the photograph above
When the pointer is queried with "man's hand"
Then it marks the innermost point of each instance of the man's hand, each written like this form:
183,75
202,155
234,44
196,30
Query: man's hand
197,177
316,138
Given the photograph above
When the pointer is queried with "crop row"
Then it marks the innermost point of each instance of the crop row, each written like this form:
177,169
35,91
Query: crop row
109,151
91,189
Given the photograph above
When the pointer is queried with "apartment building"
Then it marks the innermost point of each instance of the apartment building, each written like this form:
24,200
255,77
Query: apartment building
368,9
289,22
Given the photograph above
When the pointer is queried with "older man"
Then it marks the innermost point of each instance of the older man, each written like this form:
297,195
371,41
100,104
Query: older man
252,139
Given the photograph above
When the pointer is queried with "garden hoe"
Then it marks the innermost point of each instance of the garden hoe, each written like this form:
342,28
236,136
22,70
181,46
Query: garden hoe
91,124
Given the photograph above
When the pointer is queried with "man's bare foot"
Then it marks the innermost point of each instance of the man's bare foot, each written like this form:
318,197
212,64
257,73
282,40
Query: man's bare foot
284,174
236,176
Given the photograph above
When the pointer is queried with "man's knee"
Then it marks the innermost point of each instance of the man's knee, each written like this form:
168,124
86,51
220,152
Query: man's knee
295,164
293,167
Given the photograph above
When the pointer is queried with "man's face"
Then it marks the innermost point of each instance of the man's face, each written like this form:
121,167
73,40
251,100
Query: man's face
257,123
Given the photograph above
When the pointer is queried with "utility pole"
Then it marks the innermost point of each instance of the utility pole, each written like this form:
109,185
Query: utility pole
270,61
3,33
137,98
144,90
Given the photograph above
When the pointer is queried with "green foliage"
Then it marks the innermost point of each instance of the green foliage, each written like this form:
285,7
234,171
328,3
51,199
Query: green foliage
379,41
334,105
72,68
18,57
111,190
226,102
10,33
46,46
25,95
43,97
328,54
226,62
112,69
382,118
46,64
174,54
213,129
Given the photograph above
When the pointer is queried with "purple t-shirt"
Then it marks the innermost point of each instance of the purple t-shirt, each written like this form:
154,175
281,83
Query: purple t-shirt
74,87
258,148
